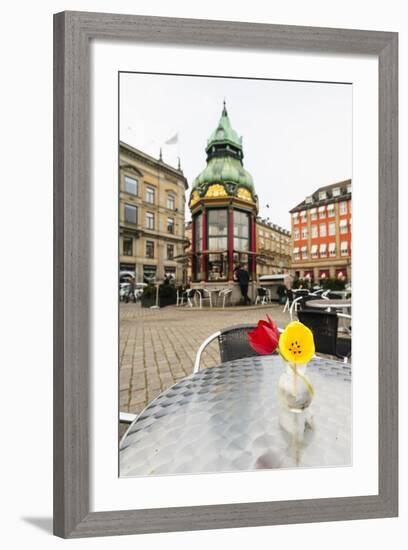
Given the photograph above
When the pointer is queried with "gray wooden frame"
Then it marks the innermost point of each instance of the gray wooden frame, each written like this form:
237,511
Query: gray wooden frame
72,34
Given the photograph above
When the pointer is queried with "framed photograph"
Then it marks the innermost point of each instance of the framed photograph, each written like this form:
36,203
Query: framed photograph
225,274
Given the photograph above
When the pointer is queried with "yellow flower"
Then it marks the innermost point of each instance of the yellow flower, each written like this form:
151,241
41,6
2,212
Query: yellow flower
296,343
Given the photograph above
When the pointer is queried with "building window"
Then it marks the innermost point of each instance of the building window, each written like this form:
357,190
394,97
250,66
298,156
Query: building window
296,254
332,228
128,247
149,220
322,230
304,232
322,211
170,272
296,234
314,251
150,194
332,250
295,217
304,252
309,199
149,249
343,208
241,231
170,251
349,188
149,273
313,214
314,231
171,202
330,210
131,185
303,216
336,192
344,248
322,195
343,226
130,213
323,250
170,225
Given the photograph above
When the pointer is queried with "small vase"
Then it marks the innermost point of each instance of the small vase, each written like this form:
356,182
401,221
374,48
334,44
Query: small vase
295,390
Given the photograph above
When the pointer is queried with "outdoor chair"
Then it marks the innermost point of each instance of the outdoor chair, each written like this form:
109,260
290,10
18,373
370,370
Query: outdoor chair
333,296
289,300
225,294
261,296
182,295
233,344
297,303
203,295
324,325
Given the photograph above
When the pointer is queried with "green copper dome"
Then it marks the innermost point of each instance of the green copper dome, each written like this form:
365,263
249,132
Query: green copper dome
224,160
224,133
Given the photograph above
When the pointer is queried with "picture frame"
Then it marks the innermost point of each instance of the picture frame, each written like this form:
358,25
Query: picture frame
73,32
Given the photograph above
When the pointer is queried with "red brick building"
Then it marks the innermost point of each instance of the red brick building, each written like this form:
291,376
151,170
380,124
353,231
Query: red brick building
321,233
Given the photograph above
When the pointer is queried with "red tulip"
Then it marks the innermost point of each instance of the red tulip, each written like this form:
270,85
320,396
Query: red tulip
264,339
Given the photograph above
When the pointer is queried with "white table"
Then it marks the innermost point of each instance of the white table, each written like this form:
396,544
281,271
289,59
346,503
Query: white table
228,418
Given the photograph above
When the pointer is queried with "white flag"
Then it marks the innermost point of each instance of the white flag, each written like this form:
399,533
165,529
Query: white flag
172,141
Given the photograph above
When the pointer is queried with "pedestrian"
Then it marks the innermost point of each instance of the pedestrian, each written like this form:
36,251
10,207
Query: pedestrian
241,275
288,283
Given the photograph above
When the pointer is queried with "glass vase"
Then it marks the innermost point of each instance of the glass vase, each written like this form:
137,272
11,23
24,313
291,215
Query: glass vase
295,390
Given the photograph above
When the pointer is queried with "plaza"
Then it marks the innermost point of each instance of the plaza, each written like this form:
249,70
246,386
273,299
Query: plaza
158,346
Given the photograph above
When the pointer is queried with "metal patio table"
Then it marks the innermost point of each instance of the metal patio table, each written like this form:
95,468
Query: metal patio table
329,304
229,418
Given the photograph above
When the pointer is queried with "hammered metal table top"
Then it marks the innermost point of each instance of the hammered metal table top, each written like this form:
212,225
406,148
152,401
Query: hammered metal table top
228,418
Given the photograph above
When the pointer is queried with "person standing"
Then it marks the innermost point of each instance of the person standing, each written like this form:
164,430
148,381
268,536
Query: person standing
288,283
242,276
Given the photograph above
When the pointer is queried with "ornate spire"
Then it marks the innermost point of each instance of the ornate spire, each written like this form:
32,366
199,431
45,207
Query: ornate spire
224,109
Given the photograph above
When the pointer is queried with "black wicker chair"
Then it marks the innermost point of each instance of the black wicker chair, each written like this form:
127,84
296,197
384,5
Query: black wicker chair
324,325
233,344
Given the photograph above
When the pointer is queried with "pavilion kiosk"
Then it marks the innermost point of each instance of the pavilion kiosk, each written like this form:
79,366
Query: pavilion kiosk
224,207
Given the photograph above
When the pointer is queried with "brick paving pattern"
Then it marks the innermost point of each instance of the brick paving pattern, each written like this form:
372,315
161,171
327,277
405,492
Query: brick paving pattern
158,347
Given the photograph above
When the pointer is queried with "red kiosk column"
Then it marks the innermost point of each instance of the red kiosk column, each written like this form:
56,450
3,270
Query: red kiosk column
204,246
253,248
230,243
193,250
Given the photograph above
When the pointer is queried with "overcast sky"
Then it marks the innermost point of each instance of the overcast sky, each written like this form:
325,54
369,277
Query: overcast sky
296,136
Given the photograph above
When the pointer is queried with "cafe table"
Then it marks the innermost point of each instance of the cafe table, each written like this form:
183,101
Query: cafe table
229,418
341,304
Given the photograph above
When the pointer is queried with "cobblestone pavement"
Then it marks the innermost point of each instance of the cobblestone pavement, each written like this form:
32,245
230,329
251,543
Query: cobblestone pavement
158,347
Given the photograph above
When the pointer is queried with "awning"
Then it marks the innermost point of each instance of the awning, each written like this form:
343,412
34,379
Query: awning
314,248
343,223
323,247
332,247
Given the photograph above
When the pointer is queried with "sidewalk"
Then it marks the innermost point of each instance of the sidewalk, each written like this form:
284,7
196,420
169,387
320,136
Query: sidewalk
158,347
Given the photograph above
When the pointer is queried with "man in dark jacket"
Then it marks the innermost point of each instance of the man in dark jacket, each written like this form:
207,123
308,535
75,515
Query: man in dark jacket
242,276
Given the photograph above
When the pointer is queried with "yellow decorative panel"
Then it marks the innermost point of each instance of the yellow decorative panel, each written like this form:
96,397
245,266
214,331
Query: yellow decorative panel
195,197
244,195
216,190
